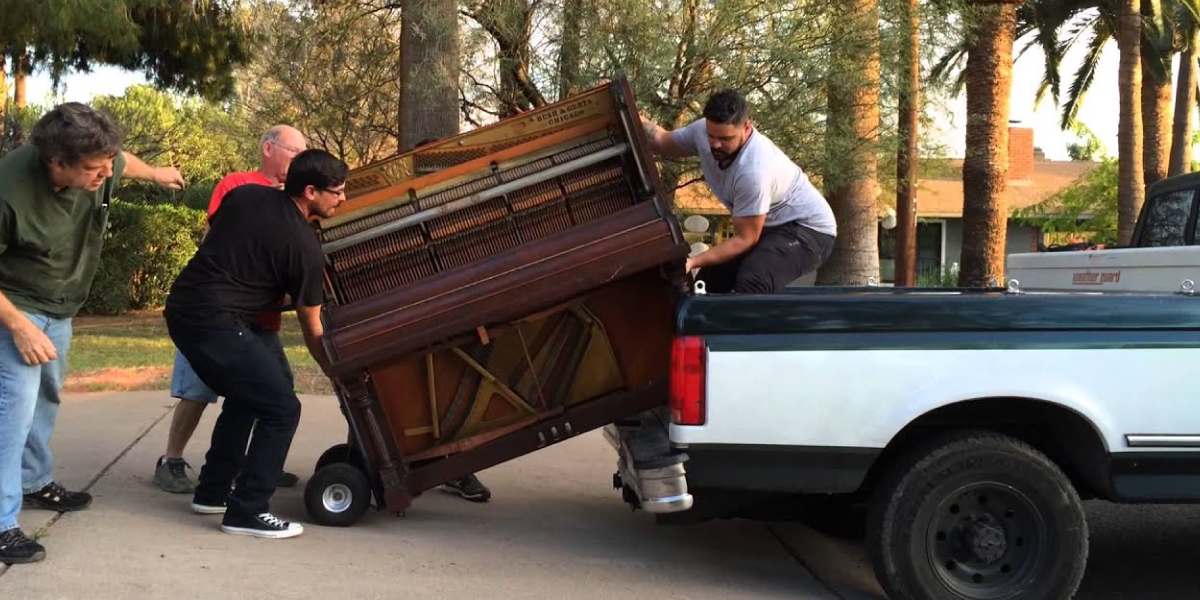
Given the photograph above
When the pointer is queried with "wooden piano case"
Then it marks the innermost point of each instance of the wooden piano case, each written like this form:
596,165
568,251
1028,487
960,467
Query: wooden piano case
495,293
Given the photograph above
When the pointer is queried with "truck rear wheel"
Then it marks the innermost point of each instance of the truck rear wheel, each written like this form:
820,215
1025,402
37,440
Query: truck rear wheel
977,516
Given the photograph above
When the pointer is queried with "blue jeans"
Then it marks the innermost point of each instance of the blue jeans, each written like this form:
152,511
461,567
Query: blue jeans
29,399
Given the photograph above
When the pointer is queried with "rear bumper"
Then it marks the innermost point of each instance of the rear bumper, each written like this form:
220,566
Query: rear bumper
651,476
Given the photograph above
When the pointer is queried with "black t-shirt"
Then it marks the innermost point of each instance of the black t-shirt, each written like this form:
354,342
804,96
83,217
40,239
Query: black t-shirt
258,247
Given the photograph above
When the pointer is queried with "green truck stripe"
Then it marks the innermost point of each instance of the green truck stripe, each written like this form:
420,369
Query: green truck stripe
980,340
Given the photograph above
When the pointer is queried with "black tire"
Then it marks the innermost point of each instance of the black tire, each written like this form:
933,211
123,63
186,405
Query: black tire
337,495
339,453
977,516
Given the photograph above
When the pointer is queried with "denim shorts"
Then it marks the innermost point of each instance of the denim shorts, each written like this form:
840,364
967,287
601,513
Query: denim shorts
187,385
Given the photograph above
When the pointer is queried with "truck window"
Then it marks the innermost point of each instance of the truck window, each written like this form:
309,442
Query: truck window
1167,219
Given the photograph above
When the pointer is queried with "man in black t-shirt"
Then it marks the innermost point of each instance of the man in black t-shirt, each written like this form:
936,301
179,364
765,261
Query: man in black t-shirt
259,247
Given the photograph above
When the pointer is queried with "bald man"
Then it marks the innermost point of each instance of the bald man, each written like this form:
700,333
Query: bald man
278,146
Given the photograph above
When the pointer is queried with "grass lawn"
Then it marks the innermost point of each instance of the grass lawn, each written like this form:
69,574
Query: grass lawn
134,352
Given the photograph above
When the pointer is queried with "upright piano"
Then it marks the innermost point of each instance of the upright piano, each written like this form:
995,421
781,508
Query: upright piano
499,291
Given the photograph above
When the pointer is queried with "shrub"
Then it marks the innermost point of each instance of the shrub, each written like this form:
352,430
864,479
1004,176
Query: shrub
144,249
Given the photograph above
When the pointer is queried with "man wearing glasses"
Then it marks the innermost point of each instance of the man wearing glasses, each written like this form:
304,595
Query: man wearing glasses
278,146
241,269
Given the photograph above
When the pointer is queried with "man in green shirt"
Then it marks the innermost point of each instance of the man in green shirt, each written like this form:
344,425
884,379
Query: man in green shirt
54,198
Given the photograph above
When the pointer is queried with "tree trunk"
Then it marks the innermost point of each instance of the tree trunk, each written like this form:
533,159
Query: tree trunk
510,23
570,53
429,51
985,167
906,158
1185,107
853,189
1156,118
20,70
1131,188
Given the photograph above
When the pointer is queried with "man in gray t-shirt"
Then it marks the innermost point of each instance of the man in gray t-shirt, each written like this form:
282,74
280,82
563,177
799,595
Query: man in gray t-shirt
783,227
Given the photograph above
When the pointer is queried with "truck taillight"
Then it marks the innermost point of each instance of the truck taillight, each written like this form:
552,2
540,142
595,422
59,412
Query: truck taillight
687,380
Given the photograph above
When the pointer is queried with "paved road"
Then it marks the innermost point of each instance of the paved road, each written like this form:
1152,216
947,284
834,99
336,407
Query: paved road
1136,553
555,528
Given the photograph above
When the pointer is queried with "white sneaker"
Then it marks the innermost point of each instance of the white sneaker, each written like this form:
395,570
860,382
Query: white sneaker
264,525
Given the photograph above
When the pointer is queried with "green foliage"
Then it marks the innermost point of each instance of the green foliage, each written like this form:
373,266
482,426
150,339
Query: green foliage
938,278
1088,208
144,250
191,47
1086,145
200,138
330,68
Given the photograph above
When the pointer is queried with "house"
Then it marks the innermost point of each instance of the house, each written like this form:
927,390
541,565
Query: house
1032,180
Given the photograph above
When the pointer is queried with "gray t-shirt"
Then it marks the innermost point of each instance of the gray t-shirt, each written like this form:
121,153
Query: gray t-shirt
761,180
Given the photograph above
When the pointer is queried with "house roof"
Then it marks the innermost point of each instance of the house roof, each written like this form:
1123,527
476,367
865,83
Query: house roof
936,197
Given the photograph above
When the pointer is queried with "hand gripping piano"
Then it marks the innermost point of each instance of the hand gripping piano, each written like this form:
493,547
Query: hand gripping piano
492,294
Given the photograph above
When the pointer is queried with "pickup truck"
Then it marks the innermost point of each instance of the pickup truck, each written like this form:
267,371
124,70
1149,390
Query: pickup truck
970,422
1163,254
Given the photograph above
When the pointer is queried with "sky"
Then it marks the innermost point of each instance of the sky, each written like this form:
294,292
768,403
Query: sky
1099,111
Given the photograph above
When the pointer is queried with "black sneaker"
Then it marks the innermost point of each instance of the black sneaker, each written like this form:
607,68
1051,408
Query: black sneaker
208,507
15,548
287,480
468,487
263,525
56,497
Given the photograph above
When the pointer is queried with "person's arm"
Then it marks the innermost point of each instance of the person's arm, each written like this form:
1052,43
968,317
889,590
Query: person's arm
663,142
746,231
311,327
168,177
751,202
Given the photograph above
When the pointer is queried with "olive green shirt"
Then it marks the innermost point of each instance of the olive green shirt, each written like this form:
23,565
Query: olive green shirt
49,241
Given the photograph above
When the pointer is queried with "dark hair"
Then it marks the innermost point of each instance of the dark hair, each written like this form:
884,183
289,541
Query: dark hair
74,131
727,107
317,168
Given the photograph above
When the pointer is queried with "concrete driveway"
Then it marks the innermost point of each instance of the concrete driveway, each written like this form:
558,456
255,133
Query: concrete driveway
554,528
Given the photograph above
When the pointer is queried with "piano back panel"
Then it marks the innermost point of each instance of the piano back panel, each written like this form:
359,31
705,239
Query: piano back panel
617,338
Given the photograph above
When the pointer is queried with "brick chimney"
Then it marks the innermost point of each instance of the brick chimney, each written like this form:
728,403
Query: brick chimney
1020,153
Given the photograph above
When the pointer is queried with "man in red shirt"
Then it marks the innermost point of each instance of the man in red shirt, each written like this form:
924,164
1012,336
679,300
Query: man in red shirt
276,149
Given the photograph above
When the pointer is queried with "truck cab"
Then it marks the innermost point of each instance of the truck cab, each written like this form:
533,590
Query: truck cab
1163,255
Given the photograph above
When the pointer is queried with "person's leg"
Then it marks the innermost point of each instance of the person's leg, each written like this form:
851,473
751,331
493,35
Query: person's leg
239,367
783,254
19,384
37,462
271,340
171,470
720,279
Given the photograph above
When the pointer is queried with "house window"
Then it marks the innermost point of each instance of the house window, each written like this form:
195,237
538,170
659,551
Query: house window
930,244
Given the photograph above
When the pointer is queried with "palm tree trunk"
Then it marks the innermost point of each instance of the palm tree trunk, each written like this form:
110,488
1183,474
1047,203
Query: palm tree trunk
854,120
906,159
1130,177
1156,119
985,167
1185,107
429,50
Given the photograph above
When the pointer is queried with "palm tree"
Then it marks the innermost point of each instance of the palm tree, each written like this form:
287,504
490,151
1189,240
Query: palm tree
852,187
1130,183
988,77
1185,94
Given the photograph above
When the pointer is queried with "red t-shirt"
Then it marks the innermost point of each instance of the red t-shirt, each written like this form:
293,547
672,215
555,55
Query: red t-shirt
269,319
